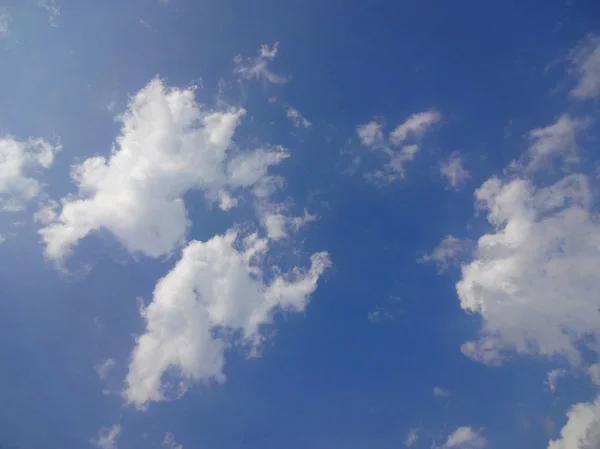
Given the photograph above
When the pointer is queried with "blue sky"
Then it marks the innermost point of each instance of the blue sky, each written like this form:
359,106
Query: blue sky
305,224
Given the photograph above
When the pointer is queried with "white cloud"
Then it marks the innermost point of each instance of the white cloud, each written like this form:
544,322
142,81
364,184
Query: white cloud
371,135
170,443
582,430
104,367
447,252
453,170
18,161
416,125
552,378
107,437
594,372
169,144
465,438
586,59
5,20
441,392
411,438
534,277
53,10
555,141
297,119
258,67
216,295
278,225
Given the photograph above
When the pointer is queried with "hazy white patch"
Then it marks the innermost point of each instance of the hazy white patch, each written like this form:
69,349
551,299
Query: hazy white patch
441,392
297,119
586,59
170,443
258,67
19,161
447,253
53,10
412,438
552,378
453,170
104,367
465,438
5,20
107,437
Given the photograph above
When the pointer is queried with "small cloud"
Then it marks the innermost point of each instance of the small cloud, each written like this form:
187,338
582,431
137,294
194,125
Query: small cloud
411,438
53,10
586,60
465,438
552,378
441,392
258,67
107,437
297,119
594,372
377,316
556,141
104,367
447,252
416,125
370,134
170,443
5,20
453,170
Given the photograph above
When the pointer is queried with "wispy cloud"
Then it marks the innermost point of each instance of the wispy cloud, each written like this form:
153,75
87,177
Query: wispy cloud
53,10
258,67
586,60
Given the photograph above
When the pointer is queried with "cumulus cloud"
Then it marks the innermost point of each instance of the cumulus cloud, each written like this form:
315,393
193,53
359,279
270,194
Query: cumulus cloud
104,367
533,278
582,430
297,119
411,438
258,67
465,438
107,437
169,144
19,161
216,295
556,141
586,59
441,392
5,20
404,136
447,253
453,170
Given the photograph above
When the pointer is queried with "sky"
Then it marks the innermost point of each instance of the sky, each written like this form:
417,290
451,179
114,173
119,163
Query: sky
310,225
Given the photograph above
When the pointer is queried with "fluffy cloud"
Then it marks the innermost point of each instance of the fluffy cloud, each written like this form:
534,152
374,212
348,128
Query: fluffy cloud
18,161
169,144
447,252
404,136
533,278
465,438
555,141
107,437
297,119
453,170
582,430
586,59
412,438
258,67
216,295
